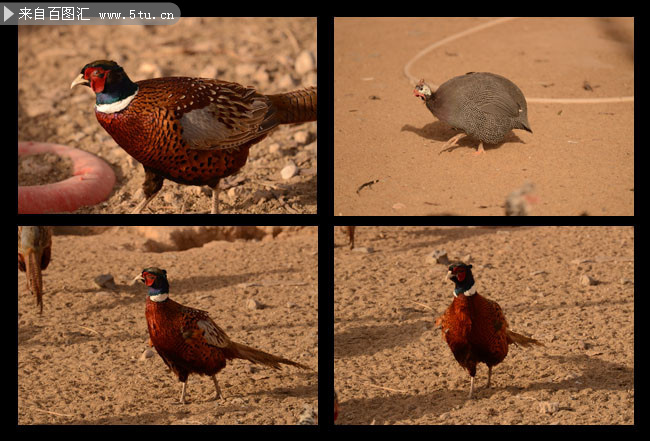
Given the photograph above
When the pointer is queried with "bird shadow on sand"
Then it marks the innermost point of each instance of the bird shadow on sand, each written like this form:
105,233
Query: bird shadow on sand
594,374
442,132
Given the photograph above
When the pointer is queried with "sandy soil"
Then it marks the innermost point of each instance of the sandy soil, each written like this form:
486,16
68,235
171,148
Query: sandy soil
256,52
79,363
392,367
580,156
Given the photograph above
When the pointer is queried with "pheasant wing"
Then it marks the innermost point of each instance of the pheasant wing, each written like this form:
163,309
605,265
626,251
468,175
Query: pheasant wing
233,115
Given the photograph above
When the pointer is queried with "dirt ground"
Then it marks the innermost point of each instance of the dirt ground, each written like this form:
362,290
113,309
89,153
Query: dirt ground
80,362
260,52
392,367
580,156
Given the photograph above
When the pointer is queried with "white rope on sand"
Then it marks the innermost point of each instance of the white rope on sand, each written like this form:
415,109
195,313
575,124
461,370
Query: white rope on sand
413,80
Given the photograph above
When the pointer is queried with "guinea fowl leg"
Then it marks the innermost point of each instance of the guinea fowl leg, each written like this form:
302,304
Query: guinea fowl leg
216,385
480,149
151,186
452,142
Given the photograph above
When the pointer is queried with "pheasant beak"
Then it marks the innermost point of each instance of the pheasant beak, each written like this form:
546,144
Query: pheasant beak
80,80
137,278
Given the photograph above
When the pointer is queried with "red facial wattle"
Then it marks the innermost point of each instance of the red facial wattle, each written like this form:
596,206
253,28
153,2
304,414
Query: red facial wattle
148,278
460,276
97,78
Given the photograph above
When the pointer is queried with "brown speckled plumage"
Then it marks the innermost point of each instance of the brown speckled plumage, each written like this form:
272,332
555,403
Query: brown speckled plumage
189,341
192,131
475,327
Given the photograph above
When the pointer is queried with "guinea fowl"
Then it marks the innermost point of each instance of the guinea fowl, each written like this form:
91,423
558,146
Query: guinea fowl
193,131
474,327
34,252
483,105
188,340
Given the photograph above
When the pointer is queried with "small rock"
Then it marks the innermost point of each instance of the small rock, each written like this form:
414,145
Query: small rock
548,407
467,258
537,273
254,304
364,250
274,148
625,281
291,305
105,281
399,206
301,137
439,256
586,280
289,171
305,62
148,353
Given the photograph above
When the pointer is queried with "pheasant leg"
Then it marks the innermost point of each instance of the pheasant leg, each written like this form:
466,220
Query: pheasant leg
183,392
452,142
471,388
151,186
215,199
489,377
216,386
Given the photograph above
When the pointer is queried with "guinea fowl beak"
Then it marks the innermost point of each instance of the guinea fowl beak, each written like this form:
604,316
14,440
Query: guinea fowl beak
80,80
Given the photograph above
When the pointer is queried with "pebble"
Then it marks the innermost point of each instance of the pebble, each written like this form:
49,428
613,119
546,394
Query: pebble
274,148
549,407
399,206
364,250
586,280
439,256
254,304
148,353
289,171
305,62
301,136
105,281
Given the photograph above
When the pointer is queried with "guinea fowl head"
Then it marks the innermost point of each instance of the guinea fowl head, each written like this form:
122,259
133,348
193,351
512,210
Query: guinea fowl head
422,91
107,79
156,280
461,275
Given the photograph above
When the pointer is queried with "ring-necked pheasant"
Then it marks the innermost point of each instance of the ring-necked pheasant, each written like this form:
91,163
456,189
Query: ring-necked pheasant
34,252
474,327
193,131
188,340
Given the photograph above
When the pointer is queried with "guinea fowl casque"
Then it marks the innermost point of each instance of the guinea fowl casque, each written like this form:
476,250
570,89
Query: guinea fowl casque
188,340
34,252
475,328
483,105
193,131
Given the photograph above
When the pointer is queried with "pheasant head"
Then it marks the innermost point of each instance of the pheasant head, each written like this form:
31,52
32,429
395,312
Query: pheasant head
422,91
156,280
461,275
108,80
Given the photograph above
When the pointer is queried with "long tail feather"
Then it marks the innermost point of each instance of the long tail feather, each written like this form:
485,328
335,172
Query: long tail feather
256,356
522,340
295,107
